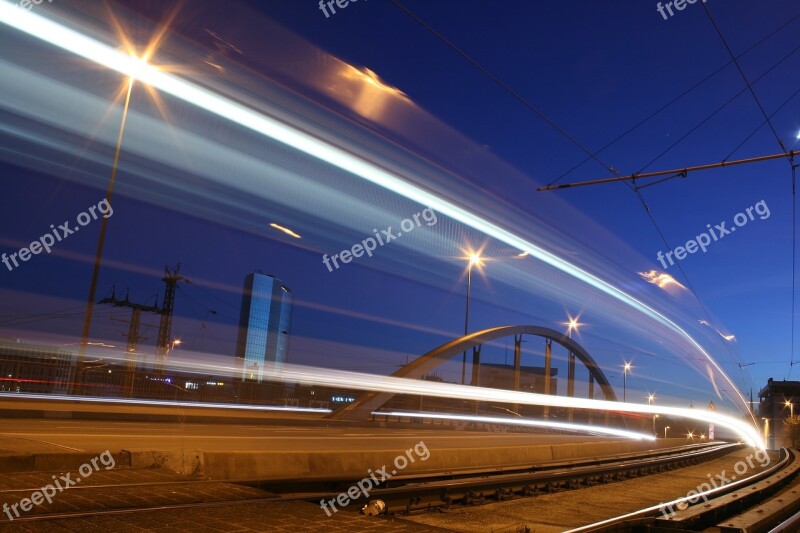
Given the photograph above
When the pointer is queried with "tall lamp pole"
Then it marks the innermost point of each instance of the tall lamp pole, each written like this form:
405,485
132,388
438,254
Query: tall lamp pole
573,324
625,369
651,400
140,63
474,259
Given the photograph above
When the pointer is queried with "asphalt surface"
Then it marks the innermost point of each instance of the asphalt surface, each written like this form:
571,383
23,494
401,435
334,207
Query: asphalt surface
43,436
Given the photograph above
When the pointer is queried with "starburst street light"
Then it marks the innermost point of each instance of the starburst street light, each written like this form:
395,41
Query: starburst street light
625,369
135,67
790,405
572,324
651,400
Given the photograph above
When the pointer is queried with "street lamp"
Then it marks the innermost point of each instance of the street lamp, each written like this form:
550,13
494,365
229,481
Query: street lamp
474,259
136,67
625,369
573,324
665,431
790,405
651,400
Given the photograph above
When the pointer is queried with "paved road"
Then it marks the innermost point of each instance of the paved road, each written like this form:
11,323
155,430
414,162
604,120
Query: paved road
39,436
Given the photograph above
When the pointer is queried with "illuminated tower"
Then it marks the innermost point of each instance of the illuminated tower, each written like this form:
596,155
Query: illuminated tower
264,324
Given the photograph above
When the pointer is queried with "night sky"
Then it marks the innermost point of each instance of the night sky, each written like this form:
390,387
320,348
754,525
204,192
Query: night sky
596,69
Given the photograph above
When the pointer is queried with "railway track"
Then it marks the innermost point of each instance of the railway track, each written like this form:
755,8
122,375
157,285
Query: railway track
766,502
401,494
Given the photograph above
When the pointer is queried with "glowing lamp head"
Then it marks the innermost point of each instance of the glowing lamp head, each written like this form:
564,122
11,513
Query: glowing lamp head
474,259
137,66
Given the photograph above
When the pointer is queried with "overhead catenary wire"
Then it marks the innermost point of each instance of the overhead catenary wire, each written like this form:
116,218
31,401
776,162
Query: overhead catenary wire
679,171
790,160
501,84
676,99
561,130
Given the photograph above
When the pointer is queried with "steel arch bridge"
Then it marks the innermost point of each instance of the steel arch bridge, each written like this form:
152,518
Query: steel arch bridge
369,401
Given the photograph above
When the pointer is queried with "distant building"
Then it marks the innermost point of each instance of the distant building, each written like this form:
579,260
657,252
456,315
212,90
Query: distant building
35,368
772,407
531,378
264,324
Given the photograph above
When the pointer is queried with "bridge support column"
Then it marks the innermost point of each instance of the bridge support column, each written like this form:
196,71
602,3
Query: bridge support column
591,395
476,365
517,365
547,363
570,382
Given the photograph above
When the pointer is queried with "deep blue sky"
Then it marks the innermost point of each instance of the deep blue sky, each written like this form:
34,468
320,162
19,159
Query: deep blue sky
595,68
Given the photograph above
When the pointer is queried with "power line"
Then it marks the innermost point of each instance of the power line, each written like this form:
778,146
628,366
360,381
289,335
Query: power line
558,128
744,77
674,100
500,83
791,164
683,172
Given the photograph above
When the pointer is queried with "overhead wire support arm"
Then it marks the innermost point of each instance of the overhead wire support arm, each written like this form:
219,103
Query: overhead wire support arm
682,172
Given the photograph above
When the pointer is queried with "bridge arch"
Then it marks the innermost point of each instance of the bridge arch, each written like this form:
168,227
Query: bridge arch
369,401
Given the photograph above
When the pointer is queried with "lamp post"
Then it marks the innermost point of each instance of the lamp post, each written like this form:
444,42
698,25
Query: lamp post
790,405
651,400
625,369
573,324
137,66
665,431
474,259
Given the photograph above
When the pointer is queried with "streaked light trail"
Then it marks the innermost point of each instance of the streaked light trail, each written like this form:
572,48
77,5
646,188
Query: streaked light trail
116,60
565,426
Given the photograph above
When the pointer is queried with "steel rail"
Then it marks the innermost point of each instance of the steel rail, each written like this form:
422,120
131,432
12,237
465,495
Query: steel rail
646,517
414,488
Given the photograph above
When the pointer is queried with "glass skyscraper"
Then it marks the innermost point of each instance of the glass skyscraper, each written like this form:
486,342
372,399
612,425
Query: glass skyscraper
264,324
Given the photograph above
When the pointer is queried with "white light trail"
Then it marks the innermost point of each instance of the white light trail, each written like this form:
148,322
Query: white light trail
167,403
92,50
580,428
349,380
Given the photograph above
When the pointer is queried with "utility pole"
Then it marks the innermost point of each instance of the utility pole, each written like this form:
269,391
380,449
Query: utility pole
133,334
163,345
